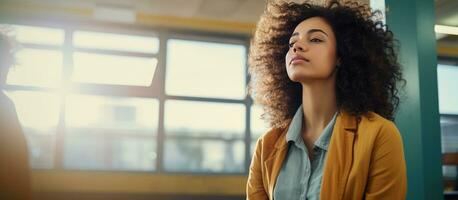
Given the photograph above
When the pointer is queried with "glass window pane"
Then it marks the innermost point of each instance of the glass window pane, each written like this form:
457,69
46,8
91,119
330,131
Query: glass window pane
450,177
205,69
449,137
449,130
36,67
204,137
118,42
109,69
38,35
448,92
258,126
109,152
200,155
110,132
38,113
204,119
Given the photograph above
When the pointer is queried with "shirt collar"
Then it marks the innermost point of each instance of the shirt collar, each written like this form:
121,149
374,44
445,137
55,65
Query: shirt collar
323,141
295,128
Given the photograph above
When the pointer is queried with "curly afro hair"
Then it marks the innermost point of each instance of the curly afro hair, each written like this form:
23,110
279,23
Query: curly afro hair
368,73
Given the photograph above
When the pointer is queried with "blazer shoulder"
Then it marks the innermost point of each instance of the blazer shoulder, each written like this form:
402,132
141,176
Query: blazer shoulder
383,127
374,119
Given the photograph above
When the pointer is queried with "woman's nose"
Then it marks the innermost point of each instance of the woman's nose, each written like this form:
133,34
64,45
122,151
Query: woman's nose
298,47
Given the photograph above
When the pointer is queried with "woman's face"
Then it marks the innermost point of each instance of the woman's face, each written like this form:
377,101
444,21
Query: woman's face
312,51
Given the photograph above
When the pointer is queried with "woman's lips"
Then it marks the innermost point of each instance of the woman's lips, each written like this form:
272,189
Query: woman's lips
298,59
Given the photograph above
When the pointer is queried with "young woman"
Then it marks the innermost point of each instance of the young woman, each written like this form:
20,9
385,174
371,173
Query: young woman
326,76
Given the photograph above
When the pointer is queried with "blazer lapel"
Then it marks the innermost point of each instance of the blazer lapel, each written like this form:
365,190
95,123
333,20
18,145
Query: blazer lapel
274,162
339,157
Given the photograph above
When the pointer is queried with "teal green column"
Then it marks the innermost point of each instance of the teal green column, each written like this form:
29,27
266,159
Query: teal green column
412,22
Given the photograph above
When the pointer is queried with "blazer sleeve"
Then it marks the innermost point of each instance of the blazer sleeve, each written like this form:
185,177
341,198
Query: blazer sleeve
255,185
387,174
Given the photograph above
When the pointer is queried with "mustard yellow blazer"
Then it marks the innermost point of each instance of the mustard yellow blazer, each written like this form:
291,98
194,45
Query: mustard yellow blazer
365,160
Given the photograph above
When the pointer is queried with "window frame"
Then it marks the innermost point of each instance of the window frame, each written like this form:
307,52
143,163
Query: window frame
156,90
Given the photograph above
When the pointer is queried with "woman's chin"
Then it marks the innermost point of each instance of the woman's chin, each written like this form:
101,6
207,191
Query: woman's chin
307,77
299,77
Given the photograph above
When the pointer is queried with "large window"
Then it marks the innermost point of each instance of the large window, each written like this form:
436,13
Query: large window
448,106
135,100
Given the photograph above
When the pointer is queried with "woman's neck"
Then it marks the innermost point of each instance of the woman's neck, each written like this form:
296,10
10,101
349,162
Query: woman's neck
319,104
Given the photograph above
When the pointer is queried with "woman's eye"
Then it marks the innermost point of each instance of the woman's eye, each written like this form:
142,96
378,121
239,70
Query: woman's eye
291,45
316,40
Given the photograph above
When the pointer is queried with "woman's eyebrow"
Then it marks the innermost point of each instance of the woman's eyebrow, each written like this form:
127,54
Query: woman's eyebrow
316,30
310,32
295,34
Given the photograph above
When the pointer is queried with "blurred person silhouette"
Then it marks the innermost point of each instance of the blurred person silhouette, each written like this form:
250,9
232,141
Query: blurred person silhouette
14,159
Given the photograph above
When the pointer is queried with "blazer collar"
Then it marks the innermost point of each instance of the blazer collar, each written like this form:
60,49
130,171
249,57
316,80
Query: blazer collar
349,123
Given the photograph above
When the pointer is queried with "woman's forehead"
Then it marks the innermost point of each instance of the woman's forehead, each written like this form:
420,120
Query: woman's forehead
313,23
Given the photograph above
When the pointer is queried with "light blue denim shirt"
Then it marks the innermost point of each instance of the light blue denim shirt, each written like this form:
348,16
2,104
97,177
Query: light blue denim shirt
300,177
